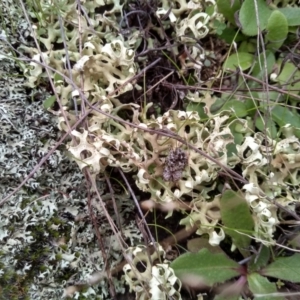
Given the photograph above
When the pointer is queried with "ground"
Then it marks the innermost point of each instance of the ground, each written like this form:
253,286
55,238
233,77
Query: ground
190,147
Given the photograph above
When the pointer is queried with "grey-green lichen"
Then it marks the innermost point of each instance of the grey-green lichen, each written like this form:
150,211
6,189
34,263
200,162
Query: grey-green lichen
156,281
50,212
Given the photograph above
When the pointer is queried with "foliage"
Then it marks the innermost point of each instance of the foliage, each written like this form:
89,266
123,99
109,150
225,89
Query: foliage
209,269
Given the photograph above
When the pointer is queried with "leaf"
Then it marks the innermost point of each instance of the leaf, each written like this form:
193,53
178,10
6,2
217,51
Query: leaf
210,268
260,260
271,95
220,297
286,73
247,46
232,290
290,78
196,244
292,15
238,129
238,138
285,268
267,126
259,65
228,8
230,34
277,28
58,78
237,106
199,108
231,149
232,105
236,216
49,102
217,106
250,106
219,26
261,285
240,59
248,18
210,10
283,116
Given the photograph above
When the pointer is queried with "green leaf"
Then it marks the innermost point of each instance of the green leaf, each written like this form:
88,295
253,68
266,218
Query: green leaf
237,106
49,102
267,126
199,108
271,95
290,73
231,148
217,105
250,106
219,26
240,59
277,28
238,128
248,18
283,116
236,217
210,268
248,46
238,138
196,244
228,8
230,34
231,297
58,77
261,285
260,260
285,268
292,15
287,71
210,10
259,65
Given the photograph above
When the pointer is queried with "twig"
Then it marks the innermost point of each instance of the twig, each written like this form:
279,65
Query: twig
68,63
98,235
111,191
271,87
137,205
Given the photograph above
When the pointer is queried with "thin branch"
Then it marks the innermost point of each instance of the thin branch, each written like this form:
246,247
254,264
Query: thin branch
137,205
111,191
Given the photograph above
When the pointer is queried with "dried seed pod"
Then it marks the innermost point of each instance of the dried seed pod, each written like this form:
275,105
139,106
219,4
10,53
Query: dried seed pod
175,163
171,176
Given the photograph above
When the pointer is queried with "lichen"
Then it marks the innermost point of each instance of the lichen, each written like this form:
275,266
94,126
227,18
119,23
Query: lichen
157,280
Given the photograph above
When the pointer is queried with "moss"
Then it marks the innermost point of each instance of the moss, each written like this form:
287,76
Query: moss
13,286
